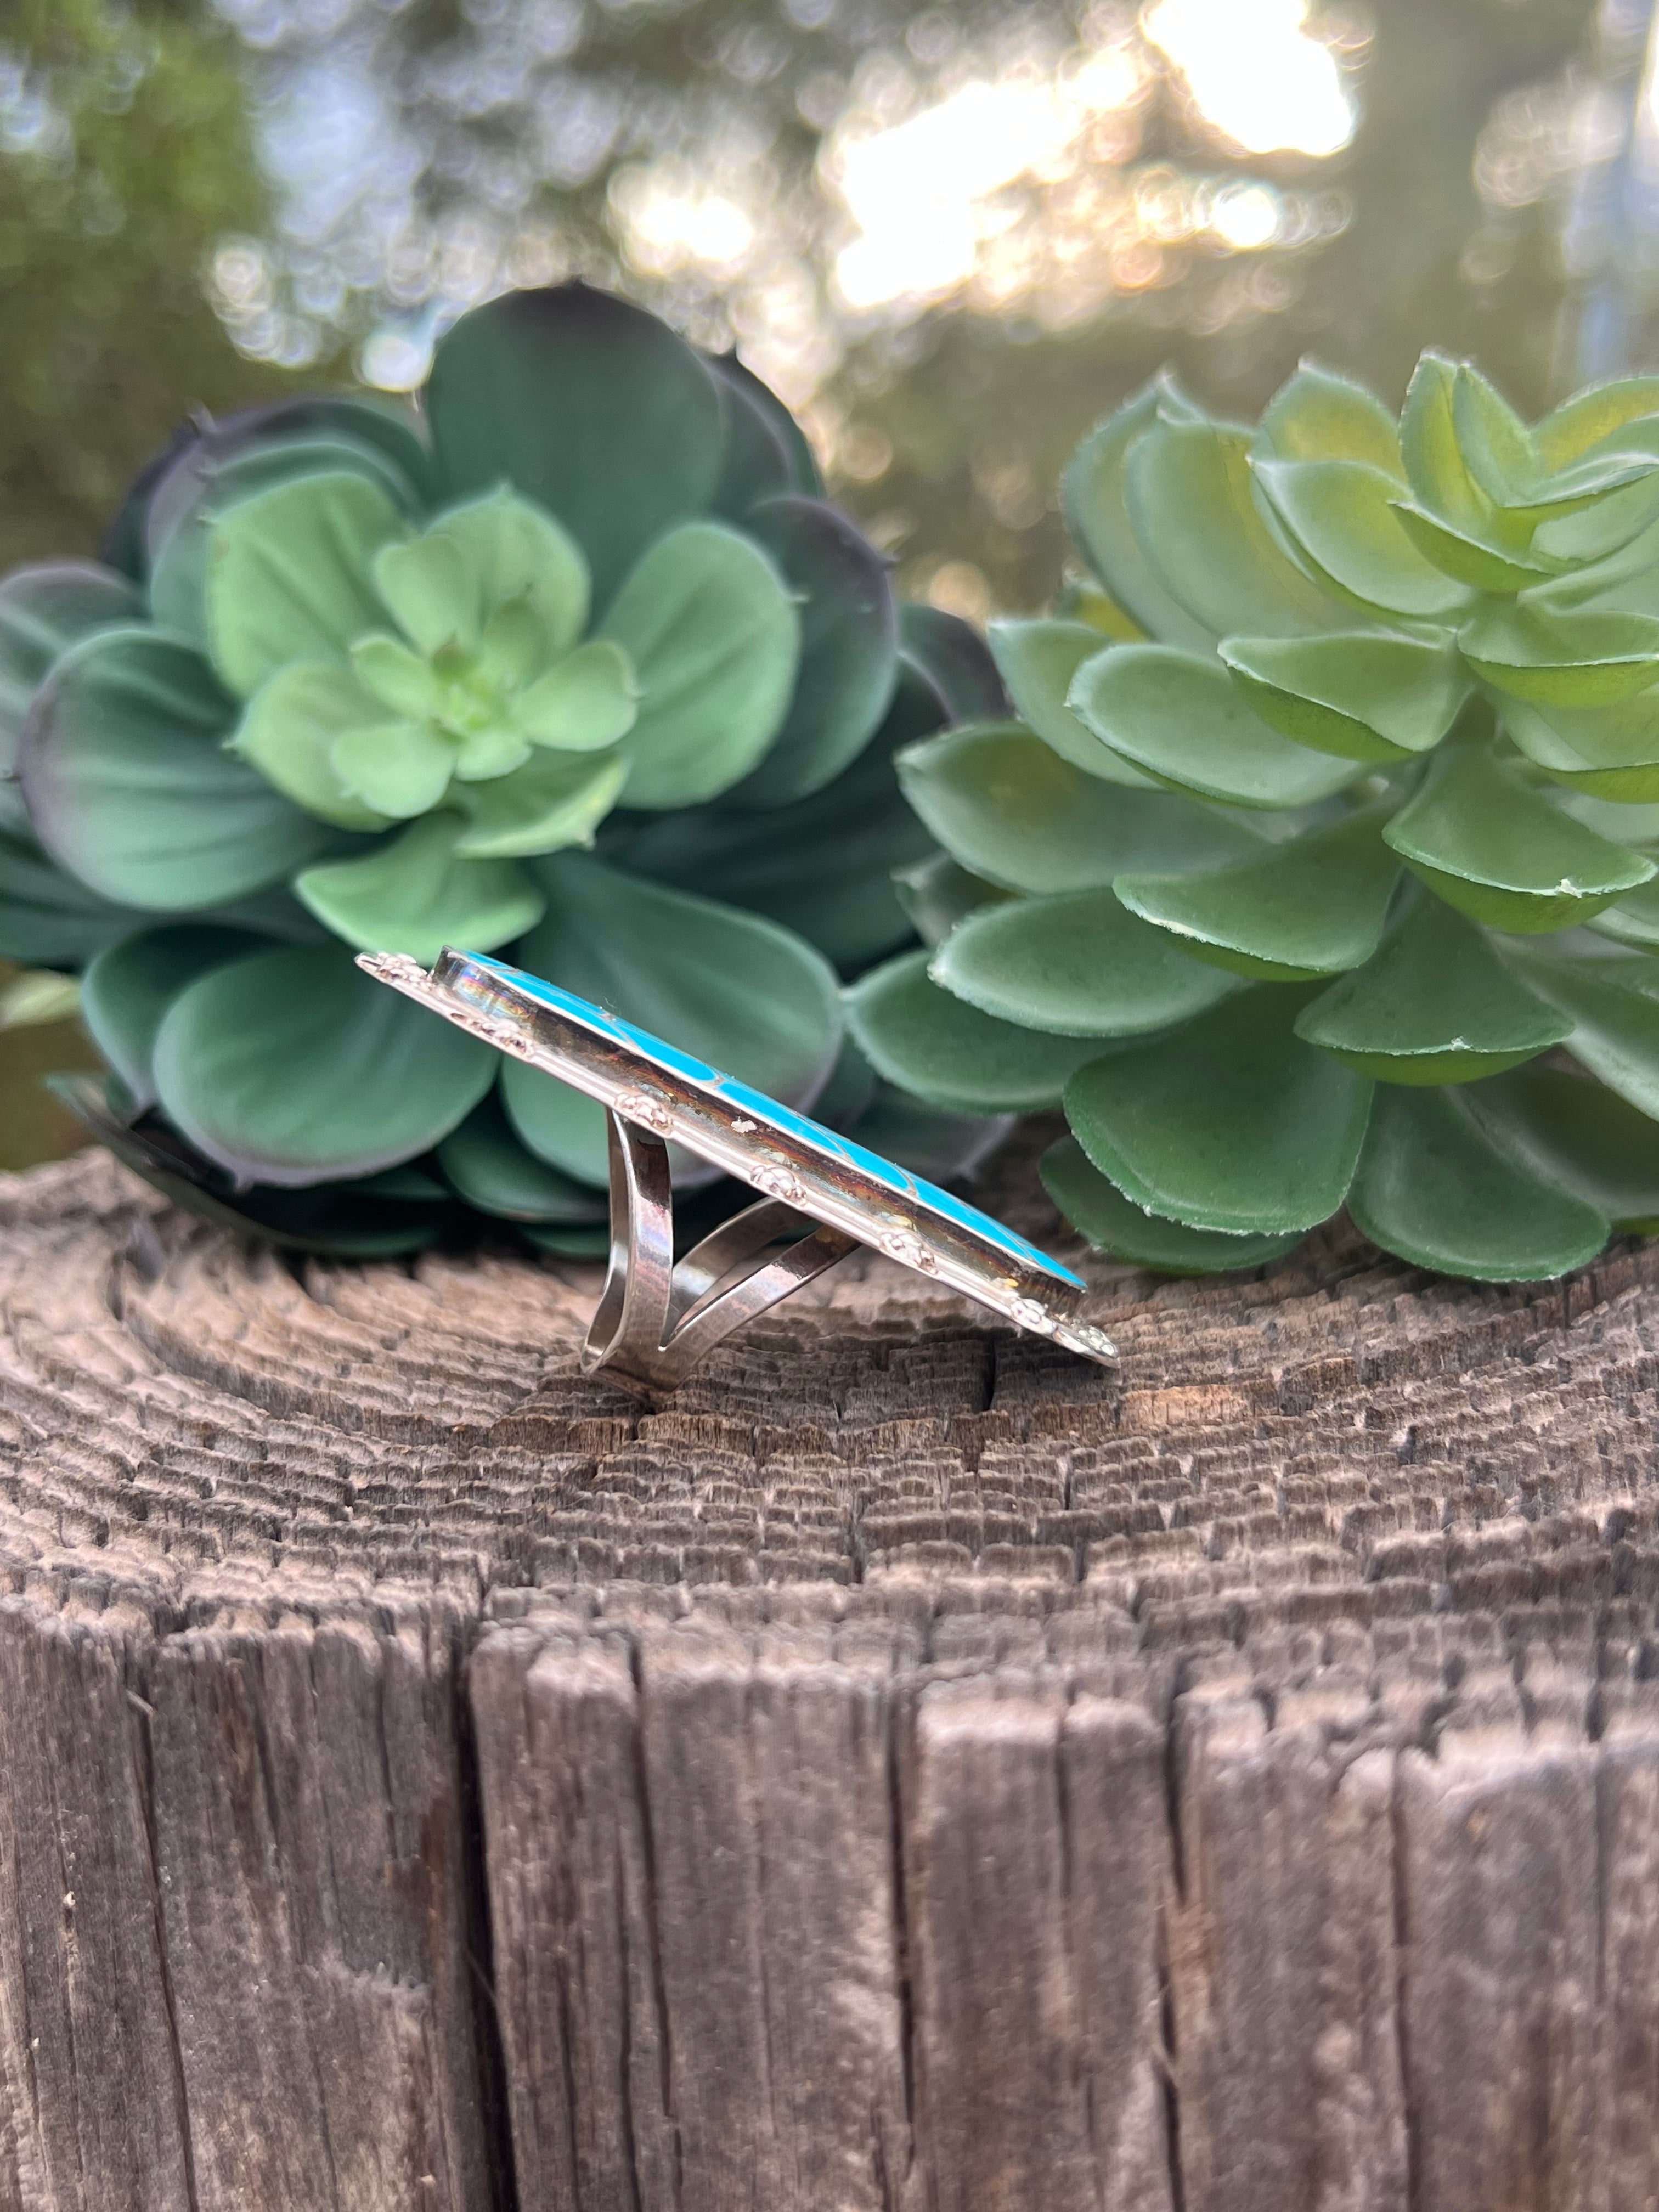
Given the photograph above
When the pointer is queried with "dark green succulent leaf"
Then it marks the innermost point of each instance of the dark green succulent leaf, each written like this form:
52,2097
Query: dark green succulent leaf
1468,560
953,658
512,553
48,918
1579,1136
749,469
1432,1188
926,1140
1577,660
630,446
1078,965
43,612
1115,1224
1037,660
937,893
1007,808
1594,418
1634,920
1313,907
1501,853
288,576
128,987
575,1243
714,638
1321,415
288,732
554,800
1607,753
1433,1005
1342,518
1096,514
1231,1122
848,648
940,1049
1364,696
1189,492
1612,1002
734,990
294,1066
1181,719
414,894
491,1170
129,785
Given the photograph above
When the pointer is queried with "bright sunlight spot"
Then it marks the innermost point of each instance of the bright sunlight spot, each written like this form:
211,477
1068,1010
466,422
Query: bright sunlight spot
1256,73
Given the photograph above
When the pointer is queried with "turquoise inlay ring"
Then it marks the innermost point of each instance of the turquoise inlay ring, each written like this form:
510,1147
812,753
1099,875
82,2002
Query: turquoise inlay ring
821,1195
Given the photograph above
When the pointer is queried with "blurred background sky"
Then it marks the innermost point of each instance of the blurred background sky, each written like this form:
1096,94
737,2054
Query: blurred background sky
952,238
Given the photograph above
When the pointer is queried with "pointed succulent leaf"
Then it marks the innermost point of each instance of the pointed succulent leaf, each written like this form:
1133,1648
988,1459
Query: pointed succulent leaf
1432,1188
396,770
586,406
415,893
1468,560
1321,415
1189,497
848,647
518,556
1037,660
1607,753
492,1171
1363,696
1342,518
1497,448
288,731
940,1049
1078,965
1502,854
44,611
1434,1004
735,991
399,678
1437,467
128,988
1632,920
954,659
1578,660
1580,524
733,382
294,1066
130,786
1231,1122
554,800
432,595
938,893
1115,1224
1578,1135
715,640
1181,720
1092,496
1007,808
1614,1006
1313,907
288,576
1595,417
49,918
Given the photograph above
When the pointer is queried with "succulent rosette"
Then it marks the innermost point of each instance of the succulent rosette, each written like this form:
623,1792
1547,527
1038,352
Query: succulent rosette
1321,869
579,667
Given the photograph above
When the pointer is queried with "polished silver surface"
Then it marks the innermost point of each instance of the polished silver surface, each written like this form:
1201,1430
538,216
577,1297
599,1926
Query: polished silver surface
821,1194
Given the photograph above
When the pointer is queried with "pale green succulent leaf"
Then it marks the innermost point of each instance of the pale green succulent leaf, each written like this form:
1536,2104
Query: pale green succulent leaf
514,647
130,786
1342,517
288,731
1550,659
491,1170
1115,1224
1594,417
1181,719
484,756
1433,1005
1580,1136
398,769
1314,907
415,893
1497,448
1437,467
1081,600
1501,853
518,557
1078,965
1613,1004
1607,753
398,677
584,703
294,1066
1474,561
713,637
938,892
938,1048
1037,658
1364,696
288,576
1006,807
554,800
1432,1188
731,988
128,988
1321,415
35,998
1230,1122
1632,920
430,592
1092,494
1189,496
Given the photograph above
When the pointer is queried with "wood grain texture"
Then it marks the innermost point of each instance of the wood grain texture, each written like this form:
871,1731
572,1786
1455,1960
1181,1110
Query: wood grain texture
906,1770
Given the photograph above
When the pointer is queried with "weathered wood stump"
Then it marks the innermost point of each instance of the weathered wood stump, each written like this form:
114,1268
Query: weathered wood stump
908,1769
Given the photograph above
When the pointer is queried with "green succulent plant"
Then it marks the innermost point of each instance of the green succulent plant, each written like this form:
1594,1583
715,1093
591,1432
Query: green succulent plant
1323,868
578,666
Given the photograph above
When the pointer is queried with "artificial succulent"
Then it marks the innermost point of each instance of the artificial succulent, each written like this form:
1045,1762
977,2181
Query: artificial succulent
1321,868
577,666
